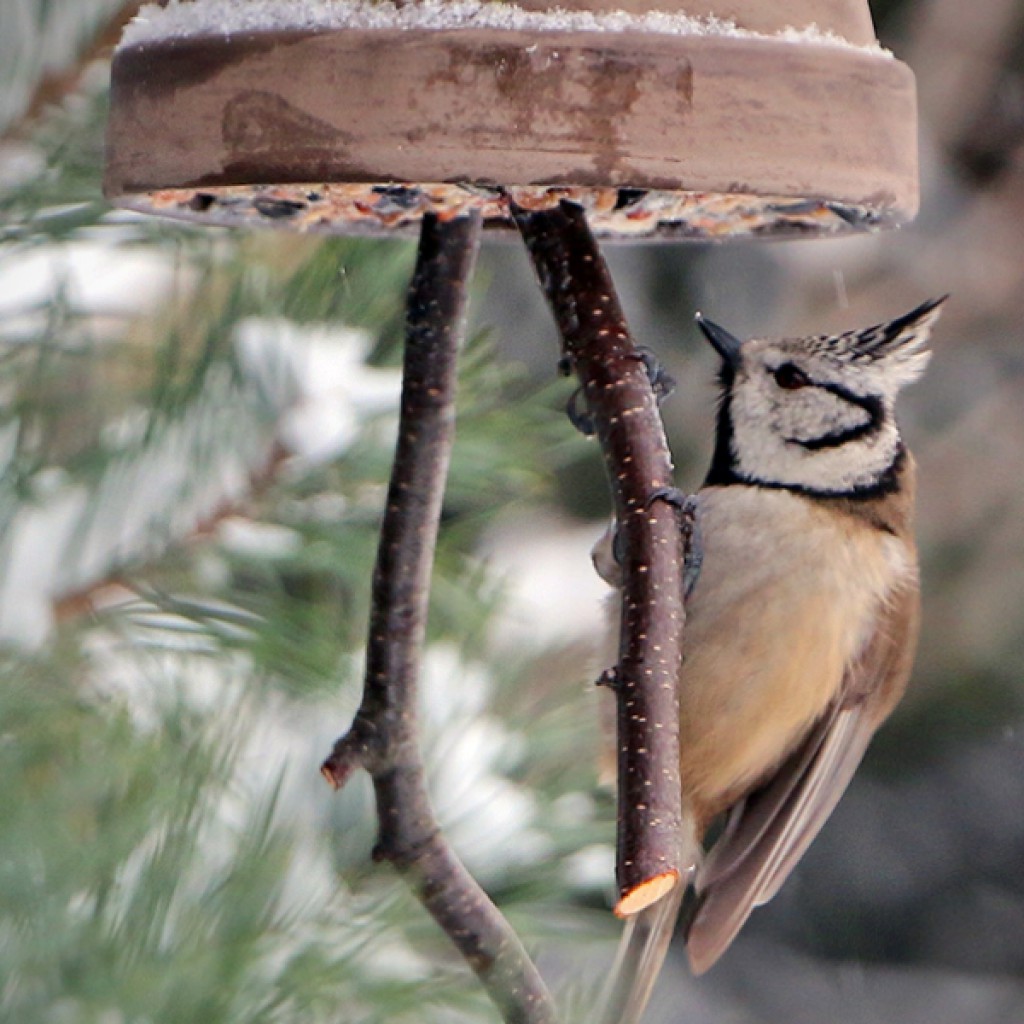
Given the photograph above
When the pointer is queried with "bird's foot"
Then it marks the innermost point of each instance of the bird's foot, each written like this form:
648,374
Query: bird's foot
662,382
689,523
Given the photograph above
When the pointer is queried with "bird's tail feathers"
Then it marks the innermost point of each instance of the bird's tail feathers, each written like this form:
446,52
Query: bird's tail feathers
641,953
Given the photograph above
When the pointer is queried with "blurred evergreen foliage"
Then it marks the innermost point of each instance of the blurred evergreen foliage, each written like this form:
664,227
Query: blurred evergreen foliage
168,851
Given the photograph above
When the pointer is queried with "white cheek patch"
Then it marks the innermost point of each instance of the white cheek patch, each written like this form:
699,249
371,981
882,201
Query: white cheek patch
803,418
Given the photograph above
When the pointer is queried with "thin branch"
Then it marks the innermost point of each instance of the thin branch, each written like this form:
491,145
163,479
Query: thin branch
383,738
624,410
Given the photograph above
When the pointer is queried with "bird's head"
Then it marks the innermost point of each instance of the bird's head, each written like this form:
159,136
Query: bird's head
816,414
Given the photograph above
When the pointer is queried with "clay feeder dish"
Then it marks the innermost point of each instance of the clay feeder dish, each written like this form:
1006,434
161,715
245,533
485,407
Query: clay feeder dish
697,119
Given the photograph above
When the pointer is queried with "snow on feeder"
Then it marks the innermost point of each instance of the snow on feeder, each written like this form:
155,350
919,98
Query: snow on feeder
684,119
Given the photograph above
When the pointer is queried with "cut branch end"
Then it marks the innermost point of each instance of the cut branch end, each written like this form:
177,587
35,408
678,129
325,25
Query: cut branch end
335,778
646,893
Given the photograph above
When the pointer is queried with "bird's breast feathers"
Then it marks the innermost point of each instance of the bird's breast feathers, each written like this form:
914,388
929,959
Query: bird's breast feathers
788,596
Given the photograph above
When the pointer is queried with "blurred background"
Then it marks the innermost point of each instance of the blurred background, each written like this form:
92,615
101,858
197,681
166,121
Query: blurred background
195,432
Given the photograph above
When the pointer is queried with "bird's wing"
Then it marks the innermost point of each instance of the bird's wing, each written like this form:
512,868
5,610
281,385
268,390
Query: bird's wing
769,830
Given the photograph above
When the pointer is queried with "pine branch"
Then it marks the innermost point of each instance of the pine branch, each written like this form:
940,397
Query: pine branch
55,86
384,737
621,400
87,599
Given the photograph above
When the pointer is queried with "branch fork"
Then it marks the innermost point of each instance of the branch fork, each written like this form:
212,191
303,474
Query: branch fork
383,738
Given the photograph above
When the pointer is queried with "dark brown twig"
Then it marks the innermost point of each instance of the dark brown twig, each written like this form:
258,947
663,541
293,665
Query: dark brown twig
383,738
624,410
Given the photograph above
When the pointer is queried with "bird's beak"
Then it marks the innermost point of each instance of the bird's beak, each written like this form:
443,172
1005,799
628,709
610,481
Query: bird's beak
726,345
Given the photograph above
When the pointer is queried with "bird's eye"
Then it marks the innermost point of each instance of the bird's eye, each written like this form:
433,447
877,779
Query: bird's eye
790,377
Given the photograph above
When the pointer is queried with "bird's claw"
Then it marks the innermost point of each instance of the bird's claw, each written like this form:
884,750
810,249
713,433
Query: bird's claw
580,418
662,382
673,496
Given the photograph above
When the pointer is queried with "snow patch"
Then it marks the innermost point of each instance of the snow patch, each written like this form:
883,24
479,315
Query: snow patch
96,280
331,392
180,20
551,593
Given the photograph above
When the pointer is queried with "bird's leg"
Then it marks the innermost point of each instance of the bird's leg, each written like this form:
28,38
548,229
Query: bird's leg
662,384
693,544
579,418
689,523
